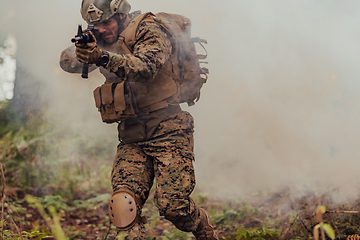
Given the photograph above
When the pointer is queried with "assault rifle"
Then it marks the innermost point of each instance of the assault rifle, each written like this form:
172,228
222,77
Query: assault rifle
83,37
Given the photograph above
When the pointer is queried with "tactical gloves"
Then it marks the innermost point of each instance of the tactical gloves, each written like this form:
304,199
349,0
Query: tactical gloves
88,53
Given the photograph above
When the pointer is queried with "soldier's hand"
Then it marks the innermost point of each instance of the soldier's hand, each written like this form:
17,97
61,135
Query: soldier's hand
89,53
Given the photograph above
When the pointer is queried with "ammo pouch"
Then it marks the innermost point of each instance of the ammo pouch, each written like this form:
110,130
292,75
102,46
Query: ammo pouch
115,102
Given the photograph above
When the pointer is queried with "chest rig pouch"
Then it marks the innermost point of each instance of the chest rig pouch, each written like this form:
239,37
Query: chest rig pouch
115,102
119,100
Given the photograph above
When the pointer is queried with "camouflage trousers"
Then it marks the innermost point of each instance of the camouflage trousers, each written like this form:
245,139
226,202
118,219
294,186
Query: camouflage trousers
167,157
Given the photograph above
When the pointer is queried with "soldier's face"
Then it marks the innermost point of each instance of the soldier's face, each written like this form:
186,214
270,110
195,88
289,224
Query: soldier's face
108,30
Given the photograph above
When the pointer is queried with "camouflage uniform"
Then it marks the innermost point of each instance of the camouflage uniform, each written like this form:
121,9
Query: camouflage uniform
167,155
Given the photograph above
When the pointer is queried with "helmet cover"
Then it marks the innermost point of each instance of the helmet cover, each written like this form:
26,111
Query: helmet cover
97,11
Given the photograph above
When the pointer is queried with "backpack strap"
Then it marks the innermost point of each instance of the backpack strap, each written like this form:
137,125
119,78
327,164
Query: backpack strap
129,33
200,41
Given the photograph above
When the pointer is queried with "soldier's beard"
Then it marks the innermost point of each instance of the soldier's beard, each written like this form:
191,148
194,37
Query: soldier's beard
109,41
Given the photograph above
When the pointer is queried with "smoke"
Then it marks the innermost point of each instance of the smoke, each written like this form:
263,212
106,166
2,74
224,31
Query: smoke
280,108
7,68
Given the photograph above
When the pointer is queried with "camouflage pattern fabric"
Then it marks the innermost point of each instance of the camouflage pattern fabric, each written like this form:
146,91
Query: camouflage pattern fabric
137,232
167,157
151,51
69,63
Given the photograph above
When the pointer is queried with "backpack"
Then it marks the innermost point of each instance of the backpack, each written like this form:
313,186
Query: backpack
192,75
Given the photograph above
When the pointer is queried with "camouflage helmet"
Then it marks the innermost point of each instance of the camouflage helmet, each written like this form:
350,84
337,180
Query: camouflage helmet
97,11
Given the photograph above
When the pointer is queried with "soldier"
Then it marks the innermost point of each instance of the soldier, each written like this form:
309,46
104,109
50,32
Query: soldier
156,136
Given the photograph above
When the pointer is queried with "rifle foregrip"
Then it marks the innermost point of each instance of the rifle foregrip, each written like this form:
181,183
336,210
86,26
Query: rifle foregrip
85,71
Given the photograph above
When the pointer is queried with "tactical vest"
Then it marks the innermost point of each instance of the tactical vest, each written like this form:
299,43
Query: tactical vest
118,100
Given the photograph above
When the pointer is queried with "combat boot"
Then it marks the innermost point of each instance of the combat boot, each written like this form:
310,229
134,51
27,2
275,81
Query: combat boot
205,231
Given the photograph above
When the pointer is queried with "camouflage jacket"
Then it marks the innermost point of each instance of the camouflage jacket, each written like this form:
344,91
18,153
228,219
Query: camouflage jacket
151,51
